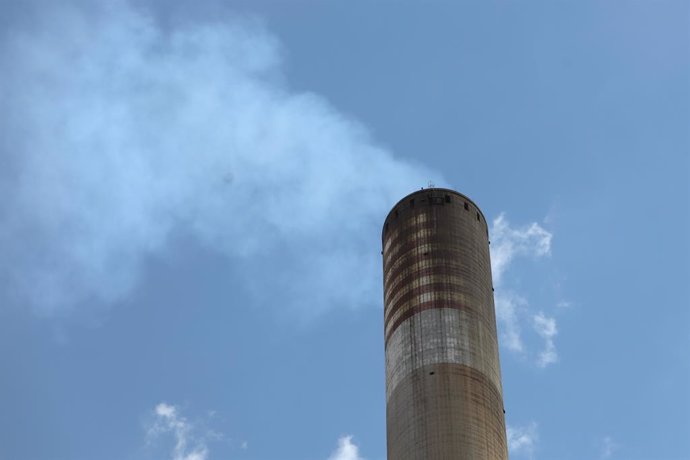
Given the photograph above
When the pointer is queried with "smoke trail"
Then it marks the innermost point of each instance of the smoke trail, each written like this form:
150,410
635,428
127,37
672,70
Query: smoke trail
116,132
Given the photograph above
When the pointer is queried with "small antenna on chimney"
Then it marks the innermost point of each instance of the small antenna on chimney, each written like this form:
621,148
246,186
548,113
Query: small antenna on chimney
431,184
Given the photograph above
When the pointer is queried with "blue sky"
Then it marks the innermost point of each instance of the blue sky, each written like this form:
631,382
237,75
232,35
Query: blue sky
192,198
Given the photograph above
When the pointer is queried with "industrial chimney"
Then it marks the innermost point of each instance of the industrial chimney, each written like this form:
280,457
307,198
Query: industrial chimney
444,398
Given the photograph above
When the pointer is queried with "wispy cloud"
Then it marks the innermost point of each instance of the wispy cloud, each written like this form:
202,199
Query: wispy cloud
508,305
564,304
118,132
546,327
512,309
508,242
522,440
608,447
346,450
188,444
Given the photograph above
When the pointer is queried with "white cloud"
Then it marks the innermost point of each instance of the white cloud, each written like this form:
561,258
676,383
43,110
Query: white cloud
522,440
509,242
508,306
188,445
117,132
546,327
346,450
608,447
564,304
512,309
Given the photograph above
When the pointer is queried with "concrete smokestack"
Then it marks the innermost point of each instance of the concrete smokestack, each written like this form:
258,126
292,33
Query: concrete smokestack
444,398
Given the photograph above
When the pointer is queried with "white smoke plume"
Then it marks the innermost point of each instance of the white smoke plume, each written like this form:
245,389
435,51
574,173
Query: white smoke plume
117,132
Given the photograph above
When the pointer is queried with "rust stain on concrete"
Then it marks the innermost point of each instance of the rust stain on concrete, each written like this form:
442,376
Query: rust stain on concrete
443,380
